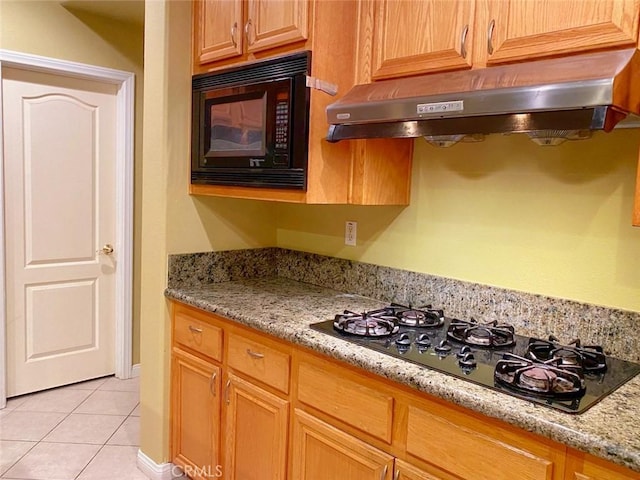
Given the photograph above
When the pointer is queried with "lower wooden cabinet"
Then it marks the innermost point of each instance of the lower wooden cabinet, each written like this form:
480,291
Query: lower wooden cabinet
322,452
246,406
255,432
195,419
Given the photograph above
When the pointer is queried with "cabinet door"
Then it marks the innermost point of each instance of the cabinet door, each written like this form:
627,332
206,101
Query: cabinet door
195,412
527,29
415,36
256,432
273,23
406,471
217,30
322,452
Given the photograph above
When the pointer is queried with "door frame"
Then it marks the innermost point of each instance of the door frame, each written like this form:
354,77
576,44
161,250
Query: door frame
125,81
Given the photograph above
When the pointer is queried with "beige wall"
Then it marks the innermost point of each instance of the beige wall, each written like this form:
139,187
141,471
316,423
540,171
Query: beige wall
47,28
505,212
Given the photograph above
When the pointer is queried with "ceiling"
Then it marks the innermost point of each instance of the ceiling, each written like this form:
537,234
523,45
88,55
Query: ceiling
129,11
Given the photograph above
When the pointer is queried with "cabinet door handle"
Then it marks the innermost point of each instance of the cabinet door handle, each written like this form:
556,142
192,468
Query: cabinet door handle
247,27
463,41
492,25
227,387
195,329
255,354
383,475
397,475
212,383
234,34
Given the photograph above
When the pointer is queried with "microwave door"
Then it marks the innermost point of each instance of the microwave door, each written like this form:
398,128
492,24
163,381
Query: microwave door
236,129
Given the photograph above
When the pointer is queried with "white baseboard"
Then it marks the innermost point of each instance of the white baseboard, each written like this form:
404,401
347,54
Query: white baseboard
155,471
135,370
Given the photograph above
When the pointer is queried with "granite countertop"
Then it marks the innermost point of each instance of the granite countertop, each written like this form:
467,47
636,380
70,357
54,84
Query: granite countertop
285,308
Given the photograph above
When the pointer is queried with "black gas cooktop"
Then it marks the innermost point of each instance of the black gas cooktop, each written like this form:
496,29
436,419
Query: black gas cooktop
566,378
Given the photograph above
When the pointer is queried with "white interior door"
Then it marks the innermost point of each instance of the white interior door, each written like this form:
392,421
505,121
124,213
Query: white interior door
59,171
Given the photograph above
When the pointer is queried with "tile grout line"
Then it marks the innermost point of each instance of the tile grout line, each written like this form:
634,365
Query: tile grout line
89,462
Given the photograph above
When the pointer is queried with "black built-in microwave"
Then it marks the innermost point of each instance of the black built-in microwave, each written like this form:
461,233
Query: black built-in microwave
250,124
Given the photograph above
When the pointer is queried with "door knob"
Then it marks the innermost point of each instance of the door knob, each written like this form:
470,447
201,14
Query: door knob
107,249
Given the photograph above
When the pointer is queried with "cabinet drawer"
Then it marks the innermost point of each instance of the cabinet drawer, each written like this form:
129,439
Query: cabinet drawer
259,361
197,335
470,454
347,399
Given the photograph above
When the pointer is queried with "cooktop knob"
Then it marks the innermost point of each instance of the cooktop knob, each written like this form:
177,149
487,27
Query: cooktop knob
463,351
468,361
443,347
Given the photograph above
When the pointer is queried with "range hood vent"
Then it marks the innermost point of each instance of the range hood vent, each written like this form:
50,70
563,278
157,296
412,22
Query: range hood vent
576,93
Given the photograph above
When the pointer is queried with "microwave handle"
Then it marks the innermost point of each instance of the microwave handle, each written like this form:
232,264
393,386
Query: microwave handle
322,85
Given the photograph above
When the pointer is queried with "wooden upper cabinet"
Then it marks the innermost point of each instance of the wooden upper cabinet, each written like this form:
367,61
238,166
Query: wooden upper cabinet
360,172
218,30
421,36
273,23
527,29
232,30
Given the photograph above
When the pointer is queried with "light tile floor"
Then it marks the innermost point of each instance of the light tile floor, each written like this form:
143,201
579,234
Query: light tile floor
85,431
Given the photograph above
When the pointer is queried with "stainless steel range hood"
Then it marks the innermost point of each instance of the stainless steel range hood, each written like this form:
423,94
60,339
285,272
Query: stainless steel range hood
583,92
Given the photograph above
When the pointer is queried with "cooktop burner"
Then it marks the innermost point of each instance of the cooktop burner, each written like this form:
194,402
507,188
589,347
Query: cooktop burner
417,317
546,379
571,378
377,323
490,334
590,357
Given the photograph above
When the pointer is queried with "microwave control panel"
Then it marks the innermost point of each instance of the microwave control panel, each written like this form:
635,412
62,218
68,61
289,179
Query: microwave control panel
282,124
282,131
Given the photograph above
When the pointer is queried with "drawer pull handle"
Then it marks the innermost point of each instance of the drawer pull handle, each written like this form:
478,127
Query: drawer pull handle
255,354
384,472
195,329
226,392
212,383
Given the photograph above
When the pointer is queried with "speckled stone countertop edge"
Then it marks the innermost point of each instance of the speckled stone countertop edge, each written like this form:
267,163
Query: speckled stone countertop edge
590,431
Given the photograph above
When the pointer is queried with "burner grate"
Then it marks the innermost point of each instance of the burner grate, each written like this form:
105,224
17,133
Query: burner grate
377,323
492,334
425,316
544,379
590,357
